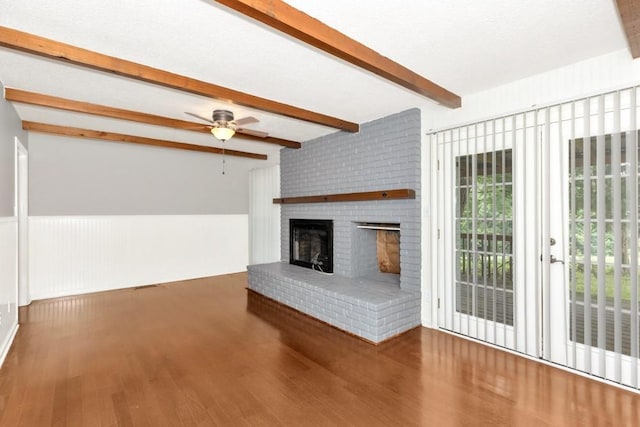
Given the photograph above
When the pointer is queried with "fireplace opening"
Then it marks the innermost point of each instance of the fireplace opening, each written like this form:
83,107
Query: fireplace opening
376,251
311,244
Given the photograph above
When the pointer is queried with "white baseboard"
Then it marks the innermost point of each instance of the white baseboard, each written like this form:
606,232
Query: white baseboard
6,345
82,291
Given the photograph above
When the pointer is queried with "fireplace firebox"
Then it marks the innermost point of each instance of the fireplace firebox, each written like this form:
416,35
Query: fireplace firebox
311,244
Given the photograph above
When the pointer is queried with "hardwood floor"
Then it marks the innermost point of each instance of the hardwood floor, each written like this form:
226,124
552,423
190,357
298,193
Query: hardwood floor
207,352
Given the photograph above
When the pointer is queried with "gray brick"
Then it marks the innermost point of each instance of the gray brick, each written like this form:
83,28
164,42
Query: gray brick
368,308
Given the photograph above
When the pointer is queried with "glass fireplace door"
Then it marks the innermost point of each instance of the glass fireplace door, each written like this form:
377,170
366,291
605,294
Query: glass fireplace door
311,244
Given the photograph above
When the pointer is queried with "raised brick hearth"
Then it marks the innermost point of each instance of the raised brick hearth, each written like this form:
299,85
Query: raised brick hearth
370,307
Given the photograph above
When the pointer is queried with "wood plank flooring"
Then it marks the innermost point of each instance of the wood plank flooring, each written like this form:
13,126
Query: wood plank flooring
207,352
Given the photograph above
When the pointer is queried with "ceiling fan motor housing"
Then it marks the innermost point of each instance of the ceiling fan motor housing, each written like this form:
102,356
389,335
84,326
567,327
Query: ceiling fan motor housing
222,116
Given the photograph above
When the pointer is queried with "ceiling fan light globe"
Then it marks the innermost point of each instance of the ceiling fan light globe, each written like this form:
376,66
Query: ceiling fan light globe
222,133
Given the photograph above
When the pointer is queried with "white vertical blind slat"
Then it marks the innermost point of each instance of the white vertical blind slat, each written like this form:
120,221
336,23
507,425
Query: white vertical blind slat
485,187
573,220
586,167
264,215
519,286
546,235
562,151
452,232
505,261
601,200
494,245
536,235
632,202
474,224
617,237
470,241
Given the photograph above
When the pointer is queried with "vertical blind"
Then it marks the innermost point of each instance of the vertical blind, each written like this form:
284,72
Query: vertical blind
538,219
264,215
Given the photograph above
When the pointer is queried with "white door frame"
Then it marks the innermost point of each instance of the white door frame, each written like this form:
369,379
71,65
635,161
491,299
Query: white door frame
21,210
555,242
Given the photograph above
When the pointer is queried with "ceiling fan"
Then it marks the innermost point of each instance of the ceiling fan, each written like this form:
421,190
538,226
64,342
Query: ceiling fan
224,126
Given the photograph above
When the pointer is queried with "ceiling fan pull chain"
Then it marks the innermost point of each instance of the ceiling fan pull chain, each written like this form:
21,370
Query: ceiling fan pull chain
223,160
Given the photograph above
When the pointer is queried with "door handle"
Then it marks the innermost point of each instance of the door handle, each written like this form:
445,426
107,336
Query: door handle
553,260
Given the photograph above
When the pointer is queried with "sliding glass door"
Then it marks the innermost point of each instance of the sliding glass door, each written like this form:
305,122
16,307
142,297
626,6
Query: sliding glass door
599,164
483,176
538,233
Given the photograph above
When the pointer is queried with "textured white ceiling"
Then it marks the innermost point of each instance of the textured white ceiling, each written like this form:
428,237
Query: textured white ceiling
464,45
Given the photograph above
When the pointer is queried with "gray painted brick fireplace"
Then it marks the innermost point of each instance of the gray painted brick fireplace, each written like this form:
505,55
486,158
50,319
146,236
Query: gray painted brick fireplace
384,155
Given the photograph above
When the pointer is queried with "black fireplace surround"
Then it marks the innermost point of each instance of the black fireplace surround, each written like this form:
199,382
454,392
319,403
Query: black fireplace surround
311,244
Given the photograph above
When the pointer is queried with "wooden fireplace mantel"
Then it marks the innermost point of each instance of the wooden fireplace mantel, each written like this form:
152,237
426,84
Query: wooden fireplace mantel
402,193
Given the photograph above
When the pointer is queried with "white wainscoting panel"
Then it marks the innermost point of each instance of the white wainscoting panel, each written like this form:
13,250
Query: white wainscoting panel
79,254
264,215
8,283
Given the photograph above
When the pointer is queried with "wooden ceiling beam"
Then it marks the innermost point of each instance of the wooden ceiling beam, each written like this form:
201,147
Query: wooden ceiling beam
32,98
36,45
119,137
279,15
629,11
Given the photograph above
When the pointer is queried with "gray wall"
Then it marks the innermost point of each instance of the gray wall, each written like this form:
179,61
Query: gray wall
384,155
70,176
10,127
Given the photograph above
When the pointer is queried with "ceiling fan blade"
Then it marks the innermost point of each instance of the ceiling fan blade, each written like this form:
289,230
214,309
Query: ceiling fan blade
257,133
197,126
246,121
199,117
